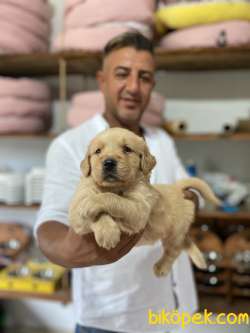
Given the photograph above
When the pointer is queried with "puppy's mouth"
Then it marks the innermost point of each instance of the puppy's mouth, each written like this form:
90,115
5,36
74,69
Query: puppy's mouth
111,178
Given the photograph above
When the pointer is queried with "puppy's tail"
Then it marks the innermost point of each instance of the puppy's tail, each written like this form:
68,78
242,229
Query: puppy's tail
195,254
201,186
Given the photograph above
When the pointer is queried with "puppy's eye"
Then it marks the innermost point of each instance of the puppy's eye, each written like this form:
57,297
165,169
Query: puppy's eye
98,151
127,149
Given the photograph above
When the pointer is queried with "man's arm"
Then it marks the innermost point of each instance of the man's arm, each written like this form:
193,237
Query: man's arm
61,245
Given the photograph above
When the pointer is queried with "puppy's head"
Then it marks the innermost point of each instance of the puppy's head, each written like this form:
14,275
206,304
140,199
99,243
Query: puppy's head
117,157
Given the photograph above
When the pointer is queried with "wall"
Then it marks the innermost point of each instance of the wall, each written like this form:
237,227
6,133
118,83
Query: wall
182,90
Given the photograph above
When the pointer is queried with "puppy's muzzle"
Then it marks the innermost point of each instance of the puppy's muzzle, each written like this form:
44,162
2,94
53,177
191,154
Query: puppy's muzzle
109,166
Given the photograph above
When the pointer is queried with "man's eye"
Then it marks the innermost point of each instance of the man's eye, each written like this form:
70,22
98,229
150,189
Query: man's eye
146,79
97,151
127,149
121,75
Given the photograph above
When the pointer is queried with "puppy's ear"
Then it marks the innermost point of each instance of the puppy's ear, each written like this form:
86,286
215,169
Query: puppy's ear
148,161
86,165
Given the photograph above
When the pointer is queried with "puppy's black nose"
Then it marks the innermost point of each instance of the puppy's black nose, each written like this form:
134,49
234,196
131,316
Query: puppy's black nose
109,164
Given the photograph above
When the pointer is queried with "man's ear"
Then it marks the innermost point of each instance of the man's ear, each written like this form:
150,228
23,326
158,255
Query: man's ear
148,162
86,165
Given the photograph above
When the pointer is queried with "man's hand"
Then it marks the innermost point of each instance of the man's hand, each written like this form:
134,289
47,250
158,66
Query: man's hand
190,195
83,250
63,246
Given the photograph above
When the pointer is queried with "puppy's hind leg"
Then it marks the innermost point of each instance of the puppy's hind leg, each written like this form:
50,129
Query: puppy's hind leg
164,264
194,253
106,231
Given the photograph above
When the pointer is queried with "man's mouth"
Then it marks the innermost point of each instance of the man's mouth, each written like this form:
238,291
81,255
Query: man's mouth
130,102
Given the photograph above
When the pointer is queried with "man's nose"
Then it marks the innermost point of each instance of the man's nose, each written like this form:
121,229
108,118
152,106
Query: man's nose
133,84
109,164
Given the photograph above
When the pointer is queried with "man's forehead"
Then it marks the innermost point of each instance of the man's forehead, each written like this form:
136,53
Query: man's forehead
128,57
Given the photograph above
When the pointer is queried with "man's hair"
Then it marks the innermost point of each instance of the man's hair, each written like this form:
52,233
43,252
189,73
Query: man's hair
129,39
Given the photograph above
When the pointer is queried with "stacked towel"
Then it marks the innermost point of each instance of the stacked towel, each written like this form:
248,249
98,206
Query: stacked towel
204,23
24,106
24,26
85,105
89,24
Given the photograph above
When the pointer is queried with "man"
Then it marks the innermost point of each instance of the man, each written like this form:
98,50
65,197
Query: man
115,297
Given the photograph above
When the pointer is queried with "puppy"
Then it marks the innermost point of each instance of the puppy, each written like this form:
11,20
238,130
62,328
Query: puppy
114,195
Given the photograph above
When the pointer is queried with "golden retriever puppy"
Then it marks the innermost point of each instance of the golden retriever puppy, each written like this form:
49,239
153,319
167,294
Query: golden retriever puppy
114,195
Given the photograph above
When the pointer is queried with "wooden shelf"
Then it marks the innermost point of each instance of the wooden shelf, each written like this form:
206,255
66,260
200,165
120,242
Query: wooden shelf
80,62
212,137
28,136
21,206
220,215
62,296
218,304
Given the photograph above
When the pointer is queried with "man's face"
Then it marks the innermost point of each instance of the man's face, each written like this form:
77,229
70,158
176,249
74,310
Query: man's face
126,80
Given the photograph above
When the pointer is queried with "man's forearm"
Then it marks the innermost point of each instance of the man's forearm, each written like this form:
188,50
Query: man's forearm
51,240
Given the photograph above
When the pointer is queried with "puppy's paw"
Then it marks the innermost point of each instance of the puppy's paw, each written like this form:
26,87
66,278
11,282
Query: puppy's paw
107,235
160,270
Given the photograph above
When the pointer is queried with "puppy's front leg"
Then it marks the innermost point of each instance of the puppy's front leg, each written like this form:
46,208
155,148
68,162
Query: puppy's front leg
134,211
106,231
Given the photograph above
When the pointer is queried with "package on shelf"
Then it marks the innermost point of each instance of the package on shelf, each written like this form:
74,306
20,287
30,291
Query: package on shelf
12,187
34,182
34,277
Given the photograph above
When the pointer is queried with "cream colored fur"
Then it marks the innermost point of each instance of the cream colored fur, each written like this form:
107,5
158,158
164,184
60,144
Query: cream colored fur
125,201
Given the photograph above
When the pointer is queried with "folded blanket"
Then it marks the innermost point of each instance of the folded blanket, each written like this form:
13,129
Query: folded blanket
40,8
95,38
12,106
187,14
26,88
18,40
230,33
71,4
25,19
92,12
14,124
86,105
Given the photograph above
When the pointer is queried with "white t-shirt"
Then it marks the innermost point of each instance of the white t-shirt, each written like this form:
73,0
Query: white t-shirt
117,296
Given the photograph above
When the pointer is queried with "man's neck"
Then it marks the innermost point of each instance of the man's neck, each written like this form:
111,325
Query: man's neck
114,122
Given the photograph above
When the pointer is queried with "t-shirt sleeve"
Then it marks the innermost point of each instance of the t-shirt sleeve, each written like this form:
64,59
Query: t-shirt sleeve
62,177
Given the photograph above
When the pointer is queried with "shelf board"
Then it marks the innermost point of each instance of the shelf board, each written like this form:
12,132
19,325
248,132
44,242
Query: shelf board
20,206
28,136
218,303
212,137
204,59
62,296
80,62
220,215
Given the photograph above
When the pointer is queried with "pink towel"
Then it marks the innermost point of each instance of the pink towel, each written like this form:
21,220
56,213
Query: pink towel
70,4
14,124
27,88
92,12
12,106
228,33
94,39
40,8
18,40
86,105
88,100
26,20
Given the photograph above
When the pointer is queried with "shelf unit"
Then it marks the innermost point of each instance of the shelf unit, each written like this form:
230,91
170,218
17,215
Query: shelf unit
87,63
84,63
